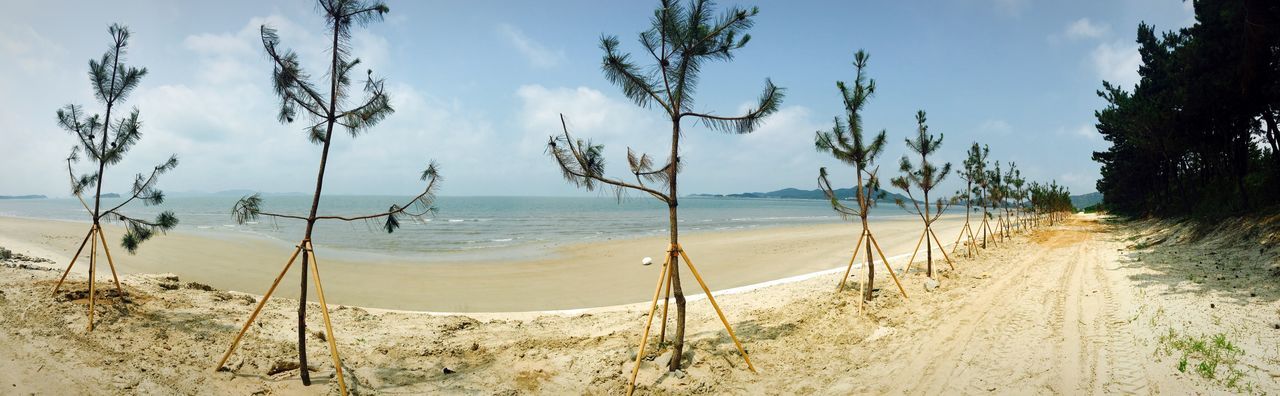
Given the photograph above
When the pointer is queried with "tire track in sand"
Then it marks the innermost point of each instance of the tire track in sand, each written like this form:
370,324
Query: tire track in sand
1053,324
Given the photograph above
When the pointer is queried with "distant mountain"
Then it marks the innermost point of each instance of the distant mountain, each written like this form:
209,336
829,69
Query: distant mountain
110,195
1086,200
22,197
795,193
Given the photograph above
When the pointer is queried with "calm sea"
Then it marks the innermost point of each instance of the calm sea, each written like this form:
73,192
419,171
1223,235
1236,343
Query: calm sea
469,226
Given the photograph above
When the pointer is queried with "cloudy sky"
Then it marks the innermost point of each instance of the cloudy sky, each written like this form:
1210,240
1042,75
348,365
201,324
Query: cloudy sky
478,87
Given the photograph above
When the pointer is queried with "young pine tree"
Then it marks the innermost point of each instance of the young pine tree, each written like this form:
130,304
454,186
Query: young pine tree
320,106
972,173
105,142
923,177
845,142
681,41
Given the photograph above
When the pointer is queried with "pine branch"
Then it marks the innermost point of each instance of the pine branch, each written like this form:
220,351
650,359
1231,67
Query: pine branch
581,164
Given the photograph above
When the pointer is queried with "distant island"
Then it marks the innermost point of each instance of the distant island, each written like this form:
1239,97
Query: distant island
795,193
110,195
22,197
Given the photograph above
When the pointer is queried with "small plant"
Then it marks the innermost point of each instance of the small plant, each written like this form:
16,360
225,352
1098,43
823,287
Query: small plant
1207,368
5,254
1211,352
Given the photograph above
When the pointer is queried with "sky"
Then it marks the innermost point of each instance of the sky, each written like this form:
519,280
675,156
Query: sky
479,87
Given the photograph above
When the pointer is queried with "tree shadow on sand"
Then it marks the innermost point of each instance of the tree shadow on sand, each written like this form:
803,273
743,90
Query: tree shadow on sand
1234,258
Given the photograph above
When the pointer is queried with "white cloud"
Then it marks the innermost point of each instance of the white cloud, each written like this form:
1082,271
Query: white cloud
223,122
1079,183
995,126
1087,132
1010,7
30,50
1084,28
537,54
1117,62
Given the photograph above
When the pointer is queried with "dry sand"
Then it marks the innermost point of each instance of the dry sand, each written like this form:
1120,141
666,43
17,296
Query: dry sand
571,277
1082,307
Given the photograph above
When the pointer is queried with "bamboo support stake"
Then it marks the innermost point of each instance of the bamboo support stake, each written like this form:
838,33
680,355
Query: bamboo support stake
941,248
885,260
862,289
662,335
712,299
73,261
644,338
328,326
111,263
913,254
261,303
93,258
856,247
956,245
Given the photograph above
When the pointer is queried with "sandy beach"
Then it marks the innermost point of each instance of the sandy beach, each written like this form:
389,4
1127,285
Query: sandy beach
568,277
1085,307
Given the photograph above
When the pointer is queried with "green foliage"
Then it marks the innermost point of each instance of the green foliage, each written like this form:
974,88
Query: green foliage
974,173
247,209
681,40
301,97
297,93
1050,198
1216,355
1198,133
138,231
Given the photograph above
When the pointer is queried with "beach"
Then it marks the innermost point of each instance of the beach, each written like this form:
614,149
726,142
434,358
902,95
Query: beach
573,276
1084,307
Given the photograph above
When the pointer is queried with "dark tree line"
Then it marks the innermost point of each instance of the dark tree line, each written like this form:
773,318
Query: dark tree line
1198,134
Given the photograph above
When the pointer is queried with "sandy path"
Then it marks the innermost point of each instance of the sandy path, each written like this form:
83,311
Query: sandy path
1057,324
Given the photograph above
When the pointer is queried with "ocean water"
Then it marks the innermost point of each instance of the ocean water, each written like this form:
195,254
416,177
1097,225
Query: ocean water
467,226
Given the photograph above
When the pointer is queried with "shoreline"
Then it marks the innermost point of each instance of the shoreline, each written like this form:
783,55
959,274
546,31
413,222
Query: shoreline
569,278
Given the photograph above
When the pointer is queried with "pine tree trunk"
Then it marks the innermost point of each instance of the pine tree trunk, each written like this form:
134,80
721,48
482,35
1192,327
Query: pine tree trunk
302,323
928,242
678,348
871,271
864,205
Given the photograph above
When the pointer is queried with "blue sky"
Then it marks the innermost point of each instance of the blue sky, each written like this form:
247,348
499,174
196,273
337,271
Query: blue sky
478,86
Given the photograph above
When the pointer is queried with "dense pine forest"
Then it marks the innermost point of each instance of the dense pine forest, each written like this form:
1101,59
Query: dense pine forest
1198,134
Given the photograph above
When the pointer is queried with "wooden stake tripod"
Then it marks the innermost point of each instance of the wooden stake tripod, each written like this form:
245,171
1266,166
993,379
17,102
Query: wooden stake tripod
94,230
324,309
969,244
928,232
674,254
866,233
986,227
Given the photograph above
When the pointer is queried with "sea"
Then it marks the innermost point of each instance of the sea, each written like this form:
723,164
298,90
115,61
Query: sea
466,227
